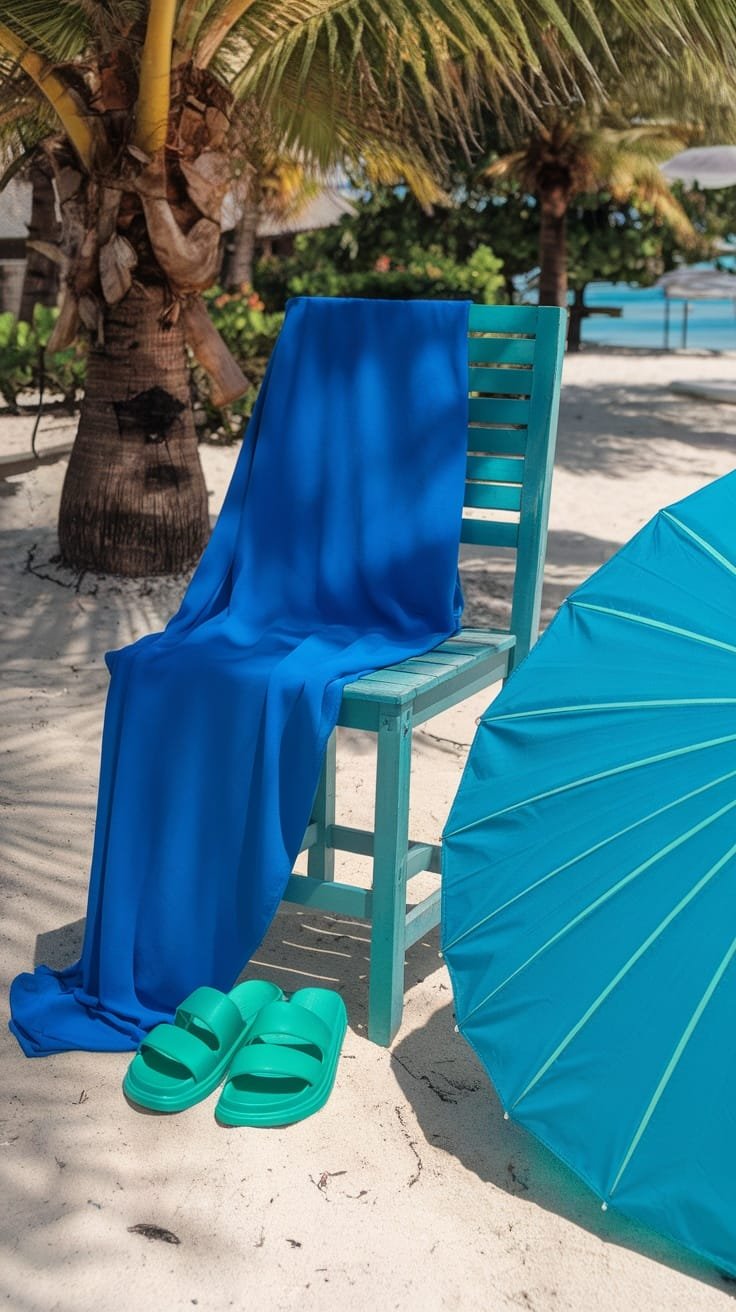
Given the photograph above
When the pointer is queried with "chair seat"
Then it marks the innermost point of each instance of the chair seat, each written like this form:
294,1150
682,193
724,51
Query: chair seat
468,662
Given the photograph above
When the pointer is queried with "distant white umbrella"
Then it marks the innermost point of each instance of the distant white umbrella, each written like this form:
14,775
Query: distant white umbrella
695,284
708,166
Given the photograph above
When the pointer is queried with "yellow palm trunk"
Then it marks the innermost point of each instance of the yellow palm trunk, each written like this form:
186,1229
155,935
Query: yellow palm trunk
59,97
154,90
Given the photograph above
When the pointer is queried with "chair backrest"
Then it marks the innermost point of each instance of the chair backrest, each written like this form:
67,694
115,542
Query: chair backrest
515,355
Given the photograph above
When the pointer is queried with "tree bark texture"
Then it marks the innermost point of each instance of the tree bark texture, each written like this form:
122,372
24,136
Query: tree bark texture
41,278
577,314
240,249
553,246
134,500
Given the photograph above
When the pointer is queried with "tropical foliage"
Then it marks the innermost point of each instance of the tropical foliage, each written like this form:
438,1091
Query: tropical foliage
27,365
423,270
147,108
582,152
611,138
608,239
250,334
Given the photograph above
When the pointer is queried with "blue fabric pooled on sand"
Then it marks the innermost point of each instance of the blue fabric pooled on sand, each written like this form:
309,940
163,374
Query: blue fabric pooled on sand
335,553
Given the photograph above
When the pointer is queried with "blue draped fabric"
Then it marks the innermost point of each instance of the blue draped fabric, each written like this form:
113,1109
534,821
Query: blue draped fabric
335,553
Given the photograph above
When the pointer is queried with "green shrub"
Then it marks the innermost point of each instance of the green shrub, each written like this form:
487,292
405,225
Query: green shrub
428,273
24,362
250,335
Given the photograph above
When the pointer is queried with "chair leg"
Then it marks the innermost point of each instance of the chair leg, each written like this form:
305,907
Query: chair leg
321,858
391,842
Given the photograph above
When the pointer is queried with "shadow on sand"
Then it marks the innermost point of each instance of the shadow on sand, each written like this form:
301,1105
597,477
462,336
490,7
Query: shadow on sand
438,1074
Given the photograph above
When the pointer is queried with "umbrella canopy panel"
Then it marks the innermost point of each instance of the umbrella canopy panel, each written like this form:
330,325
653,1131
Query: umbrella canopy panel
589,894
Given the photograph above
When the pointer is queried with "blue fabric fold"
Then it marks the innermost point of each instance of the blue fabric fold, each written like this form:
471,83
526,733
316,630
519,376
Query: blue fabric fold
335,553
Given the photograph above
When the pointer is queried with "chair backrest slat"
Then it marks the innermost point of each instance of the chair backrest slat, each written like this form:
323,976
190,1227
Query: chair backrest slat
495,469
507,319
489,533
490,380
488,441
493,496
501,350
498,410
515,365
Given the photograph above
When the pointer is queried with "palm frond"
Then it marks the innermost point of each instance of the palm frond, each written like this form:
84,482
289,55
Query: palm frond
189,20
23,128
56,30
70,113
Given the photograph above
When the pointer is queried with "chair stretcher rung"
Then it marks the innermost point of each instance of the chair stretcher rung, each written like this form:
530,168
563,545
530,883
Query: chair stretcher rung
330,895
420,856
424,917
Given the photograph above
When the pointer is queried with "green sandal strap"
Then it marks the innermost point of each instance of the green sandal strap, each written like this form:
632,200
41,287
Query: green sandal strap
283,1021
216,1011
267,1061
181,1046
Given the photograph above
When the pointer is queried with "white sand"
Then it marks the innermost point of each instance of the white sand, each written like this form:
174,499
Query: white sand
408,1191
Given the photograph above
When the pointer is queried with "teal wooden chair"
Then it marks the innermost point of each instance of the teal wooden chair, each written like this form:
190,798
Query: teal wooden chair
515,363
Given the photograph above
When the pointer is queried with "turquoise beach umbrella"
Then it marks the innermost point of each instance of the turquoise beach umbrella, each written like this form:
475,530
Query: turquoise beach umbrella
589,888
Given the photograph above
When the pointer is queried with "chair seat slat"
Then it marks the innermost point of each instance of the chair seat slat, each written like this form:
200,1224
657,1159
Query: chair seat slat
415,676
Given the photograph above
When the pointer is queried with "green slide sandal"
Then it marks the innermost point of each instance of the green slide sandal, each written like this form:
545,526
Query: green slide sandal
286,1069
178,1065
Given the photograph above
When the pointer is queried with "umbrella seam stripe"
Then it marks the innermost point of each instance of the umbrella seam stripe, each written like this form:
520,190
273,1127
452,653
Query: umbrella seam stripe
675,1058
627,966
600,901
701,542
603,842
593,778
610,706
648,623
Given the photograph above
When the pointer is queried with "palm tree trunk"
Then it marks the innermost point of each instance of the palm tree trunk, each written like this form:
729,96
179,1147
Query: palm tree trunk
41,278
134,499
241,248
553,203
577,314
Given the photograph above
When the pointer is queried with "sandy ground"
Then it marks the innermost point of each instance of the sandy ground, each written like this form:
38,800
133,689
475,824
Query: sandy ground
408,1191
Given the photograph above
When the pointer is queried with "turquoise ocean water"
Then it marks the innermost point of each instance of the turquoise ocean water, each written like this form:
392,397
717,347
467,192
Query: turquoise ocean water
711,324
